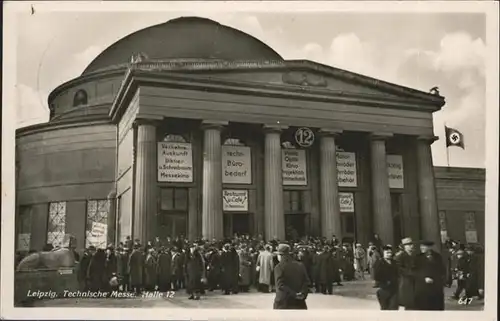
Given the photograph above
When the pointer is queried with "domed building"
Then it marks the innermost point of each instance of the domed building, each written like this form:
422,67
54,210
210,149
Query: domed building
197,129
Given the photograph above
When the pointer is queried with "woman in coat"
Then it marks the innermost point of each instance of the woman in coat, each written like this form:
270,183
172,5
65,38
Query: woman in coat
429,279
359,258
265,266
245,268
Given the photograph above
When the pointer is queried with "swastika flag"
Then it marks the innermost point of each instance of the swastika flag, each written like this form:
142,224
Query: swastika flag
454,137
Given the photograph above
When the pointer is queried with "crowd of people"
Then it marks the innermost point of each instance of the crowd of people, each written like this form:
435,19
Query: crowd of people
411,275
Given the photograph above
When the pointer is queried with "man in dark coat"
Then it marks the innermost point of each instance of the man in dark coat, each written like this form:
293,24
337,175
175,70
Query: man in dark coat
229,269
405,260
386,277
292,282
97,271
83,268
430,277
195,272
164,270
326,266
213,269
136,269
177,269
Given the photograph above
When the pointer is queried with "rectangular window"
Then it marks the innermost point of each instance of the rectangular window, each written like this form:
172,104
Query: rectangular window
56,227
442,221
292,202
96,232
174,199
24,228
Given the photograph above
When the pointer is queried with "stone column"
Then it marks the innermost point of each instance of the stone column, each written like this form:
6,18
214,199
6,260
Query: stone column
273,184
331,223
427,192
381,194
145,182
212,226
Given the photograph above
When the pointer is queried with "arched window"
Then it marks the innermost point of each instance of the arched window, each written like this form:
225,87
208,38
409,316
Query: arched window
80,98
233,142
174,138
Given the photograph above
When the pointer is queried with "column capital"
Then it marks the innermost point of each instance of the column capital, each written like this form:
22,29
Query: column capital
274,128
429,139
330,132
380,136
213,124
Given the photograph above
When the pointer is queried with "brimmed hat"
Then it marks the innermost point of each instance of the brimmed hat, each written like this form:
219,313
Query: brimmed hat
406,241
283,248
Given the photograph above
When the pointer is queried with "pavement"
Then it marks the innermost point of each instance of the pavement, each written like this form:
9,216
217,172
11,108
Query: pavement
356,295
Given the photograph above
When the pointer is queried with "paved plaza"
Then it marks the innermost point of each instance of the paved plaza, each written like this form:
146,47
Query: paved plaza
358,295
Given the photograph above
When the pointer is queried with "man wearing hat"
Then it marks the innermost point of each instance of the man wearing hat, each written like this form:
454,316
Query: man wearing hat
430,277
386,277
292,283
405,260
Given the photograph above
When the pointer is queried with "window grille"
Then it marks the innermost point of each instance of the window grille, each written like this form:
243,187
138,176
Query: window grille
96,233
288,145
174,199
293,202
233,142
174,138
470,221
56,228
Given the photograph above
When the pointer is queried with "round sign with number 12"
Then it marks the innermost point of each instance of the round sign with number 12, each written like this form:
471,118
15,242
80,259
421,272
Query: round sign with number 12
304,137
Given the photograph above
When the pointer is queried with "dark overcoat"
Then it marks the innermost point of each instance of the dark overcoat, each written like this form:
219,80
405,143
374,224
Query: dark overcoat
164,270
194,271
429,296
136,268
290,279
325,268
406,269
150,272
386,277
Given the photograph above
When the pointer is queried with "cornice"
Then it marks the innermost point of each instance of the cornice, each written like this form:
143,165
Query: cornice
49,126
137,76
110,72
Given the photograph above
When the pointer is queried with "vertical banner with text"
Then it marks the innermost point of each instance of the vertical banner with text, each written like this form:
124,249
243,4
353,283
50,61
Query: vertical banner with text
346,169
236,165
175,162
294,167
395,171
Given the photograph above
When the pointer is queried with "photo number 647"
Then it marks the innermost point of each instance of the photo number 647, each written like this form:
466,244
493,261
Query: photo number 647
465,301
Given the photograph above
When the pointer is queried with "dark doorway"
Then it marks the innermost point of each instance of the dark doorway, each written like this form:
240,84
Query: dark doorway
295,226
397,217
172,225
237,223
241,224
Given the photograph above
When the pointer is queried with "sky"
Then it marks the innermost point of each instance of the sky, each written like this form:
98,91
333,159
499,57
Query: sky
419,50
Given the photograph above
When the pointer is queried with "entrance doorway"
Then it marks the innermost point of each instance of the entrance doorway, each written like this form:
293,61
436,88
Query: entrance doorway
295,226
172,225
348,227
237,223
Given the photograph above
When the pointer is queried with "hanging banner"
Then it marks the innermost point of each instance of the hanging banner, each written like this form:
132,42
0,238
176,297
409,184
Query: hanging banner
395,171
294,167
97,235
23,242
346,201
236,165
235,200
346,169
175,162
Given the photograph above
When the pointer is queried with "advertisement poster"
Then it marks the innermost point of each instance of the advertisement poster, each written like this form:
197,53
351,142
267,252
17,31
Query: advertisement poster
294,166
175,162
236,165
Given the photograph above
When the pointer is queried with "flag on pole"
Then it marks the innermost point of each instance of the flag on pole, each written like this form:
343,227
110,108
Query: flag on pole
454,137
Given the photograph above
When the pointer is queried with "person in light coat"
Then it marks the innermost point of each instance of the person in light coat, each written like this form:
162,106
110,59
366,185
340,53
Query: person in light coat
265,266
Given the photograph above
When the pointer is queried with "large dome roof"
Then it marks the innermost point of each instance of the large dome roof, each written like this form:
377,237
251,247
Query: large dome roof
185,38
